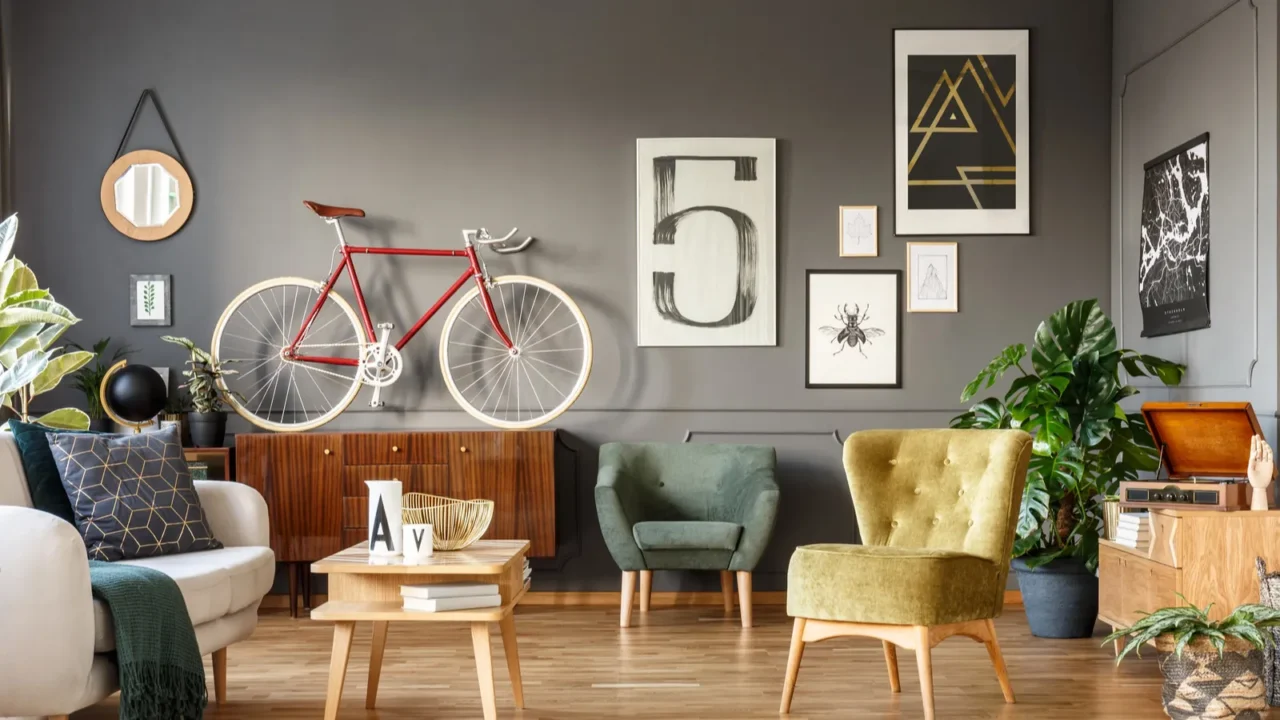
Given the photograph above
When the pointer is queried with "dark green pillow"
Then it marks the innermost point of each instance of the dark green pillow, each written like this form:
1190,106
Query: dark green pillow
132,494
43,481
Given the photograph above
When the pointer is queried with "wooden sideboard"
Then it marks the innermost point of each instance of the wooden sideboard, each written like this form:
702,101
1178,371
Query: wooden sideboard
1206,556
318,503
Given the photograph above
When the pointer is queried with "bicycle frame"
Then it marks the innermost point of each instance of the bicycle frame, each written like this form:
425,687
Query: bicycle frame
475,271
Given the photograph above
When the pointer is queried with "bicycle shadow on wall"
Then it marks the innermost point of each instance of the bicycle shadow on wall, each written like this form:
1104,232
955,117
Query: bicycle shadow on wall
387,287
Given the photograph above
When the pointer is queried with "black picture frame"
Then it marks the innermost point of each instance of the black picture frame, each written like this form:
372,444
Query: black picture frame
898,300
1187,315
1025,89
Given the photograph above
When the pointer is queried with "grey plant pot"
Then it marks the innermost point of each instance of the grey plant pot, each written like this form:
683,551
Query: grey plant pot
207,429
1061,598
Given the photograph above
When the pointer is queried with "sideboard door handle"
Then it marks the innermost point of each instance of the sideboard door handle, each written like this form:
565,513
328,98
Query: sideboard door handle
327,451
462,449
395,448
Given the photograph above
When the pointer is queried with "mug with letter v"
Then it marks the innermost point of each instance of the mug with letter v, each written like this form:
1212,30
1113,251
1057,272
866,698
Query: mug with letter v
418,542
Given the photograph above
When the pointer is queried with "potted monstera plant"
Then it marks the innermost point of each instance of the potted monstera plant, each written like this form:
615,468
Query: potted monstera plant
1211,669
207,419
1067,394
31,323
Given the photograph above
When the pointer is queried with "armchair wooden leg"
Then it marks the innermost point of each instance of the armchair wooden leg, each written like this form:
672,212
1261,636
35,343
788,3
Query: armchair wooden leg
646,589
220,676
924,662
744,597
793,665
1002,673
628,590
891,659
726,590
292,570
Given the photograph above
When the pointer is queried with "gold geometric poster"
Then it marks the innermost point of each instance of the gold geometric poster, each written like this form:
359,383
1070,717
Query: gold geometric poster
961,112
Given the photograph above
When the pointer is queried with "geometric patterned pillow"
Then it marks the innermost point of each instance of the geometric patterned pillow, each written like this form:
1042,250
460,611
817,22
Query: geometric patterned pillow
132,494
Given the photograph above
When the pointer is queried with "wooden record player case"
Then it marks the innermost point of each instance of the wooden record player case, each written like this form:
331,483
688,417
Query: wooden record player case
317,500
1202,552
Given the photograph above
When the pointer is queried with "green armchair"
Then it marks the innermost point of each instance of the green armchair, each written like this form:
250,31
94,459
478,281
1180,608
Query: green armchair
936,510
681,506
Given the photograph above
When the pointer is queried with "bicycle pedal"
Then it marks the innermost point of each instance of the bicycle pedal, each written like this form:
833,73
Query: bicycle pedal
386,326
377,404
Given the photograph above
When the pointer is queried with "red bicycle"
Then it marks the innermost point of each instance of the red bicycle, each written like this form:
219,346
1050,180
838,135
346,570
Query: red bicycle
515,351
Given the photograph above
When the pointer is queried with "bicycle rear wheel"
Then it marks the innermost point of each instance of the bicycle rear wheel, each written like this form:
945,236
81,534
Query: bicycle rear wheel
539,378
269,390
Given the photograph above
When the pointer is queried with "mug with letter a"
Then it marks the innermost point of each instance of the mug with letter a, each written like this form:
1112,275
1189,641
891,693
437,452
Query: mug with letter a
384,517
418,542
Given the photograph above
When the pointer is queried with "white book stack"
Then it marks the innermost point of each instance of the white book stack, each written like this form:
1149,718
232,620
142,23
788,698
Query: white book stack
449,596
1134,529
528,571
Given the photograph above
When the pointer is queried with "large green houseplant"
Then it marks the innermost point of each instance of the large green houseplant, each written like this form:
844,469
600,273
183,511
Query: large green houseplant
1067,394
31,323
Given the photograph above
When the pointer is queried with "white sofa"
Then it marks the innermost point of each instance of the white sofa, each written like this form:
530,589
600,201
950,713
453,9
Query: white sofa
53,634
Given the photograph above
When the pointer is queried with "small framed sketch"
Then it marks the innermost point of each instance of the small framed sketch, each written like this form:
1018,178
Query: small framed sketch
853,329
859,236
933,278
150,300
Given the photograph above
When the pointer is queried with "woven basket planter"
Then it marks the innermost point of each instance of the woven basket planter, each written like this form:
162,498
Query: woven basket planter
1203,686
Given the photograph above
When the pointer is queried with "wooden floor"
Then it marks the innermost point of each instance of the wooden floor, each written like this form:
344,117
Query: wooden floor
688,662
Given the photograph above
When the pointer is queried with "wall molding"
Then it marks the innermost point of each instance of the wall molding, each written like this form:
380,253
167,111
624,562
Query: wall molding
1120,195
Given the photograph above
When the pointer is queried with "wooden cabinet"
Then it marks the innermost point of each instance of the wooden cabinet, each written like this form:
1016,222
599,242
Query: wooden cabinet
1206,556
317,499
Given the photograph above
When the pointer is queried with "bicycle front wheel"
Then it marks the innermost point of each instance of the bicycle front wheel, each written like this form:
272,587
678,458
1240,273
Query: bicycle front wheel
531,383
270,390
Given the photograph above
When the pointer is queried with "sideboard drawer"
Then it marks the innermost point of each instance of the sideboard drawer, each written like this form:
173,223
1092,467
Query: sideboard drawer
354,477
394,448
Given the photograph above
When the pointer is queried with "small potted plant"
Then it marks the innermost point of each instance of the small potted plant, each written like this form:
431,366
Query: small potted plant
207,419
1193,648
88,380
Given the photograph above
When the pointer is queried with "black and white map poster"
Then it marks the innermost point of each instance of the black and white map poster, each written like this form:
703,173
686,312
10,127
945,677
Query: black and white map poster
1173,259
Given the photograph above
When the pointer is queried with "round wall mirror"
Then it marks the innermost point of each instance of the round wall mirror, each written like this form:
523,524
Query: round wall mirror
147,195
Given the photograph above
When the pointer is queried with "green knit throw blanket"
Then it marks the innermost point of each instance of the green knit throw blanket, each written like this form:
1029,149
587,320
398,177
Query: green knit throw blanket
161,673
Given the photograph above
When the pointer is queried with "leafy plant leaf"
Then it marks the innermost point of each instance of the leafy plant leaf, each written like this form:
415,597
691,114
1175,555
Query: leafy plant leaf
8,231
58,368
65,419
23,371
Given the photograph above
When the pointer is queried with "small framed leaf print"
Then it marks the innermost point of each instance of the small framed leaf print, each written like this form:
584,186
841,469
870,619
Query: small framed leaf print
150,300
858,231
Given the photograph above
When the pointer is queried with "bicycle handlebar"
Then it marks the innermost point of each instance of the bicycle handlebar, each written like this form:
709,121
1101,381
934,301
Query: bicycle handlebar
482,237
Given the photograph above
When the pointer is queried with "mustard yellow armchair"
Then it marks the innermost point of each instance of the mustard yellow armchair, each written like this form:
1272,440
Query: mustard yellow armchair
936,510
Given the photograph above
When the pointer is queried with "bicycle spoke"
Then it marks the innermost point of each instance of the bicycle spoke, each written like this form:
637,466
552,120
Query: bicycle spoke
482,332
561,369
537,398
486,374
567,327
544,378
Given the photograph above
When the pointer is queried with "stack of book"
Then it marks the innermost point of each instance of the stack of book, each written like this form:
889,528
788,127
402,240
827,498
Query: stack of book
528,571
450,596
1134,529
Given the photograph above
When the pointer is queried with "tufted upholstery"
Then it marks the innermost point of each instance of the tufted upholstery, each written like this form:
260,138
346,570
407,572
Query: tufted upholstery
936,510
655,493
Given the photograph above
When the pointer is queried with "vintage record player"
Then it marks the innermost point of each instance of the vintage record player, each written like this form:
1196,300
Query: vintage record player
1204,457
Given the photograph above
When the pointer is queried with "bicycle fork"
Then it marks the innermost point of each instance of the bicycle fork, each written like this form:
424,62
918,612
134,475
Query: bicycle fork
380,357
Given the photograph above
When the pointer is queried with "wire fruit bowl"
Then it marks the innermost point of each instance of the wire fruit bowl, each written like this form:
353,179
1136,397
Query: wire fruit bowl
454,523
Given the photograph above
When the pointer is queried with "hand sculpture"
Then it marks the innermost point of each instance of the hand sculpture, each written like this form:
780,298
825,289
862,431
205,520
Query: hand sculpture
1261,470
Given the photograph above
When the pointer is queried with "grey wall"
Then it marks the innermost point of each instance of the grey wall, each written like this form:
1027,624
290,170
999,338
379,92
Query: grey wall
1180,69
440,115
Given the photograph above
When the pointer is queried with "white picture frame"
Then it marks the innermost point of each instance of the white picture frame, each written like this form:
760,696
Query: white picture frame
859,231
853,329
933,277
150,300
706,247
960,187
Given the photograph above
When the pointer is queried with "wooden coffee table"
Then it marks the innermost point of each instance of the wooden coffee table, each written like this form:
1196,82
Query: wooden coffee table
368,589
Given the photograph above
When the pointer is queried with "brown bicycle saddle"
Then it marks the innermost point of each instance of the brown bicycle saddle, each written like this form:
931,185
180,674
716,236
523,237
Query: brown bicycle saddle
333,211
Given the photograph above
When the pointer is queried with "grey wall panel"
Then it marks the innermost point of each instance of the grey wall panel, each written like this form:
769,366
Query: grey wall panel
438,115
